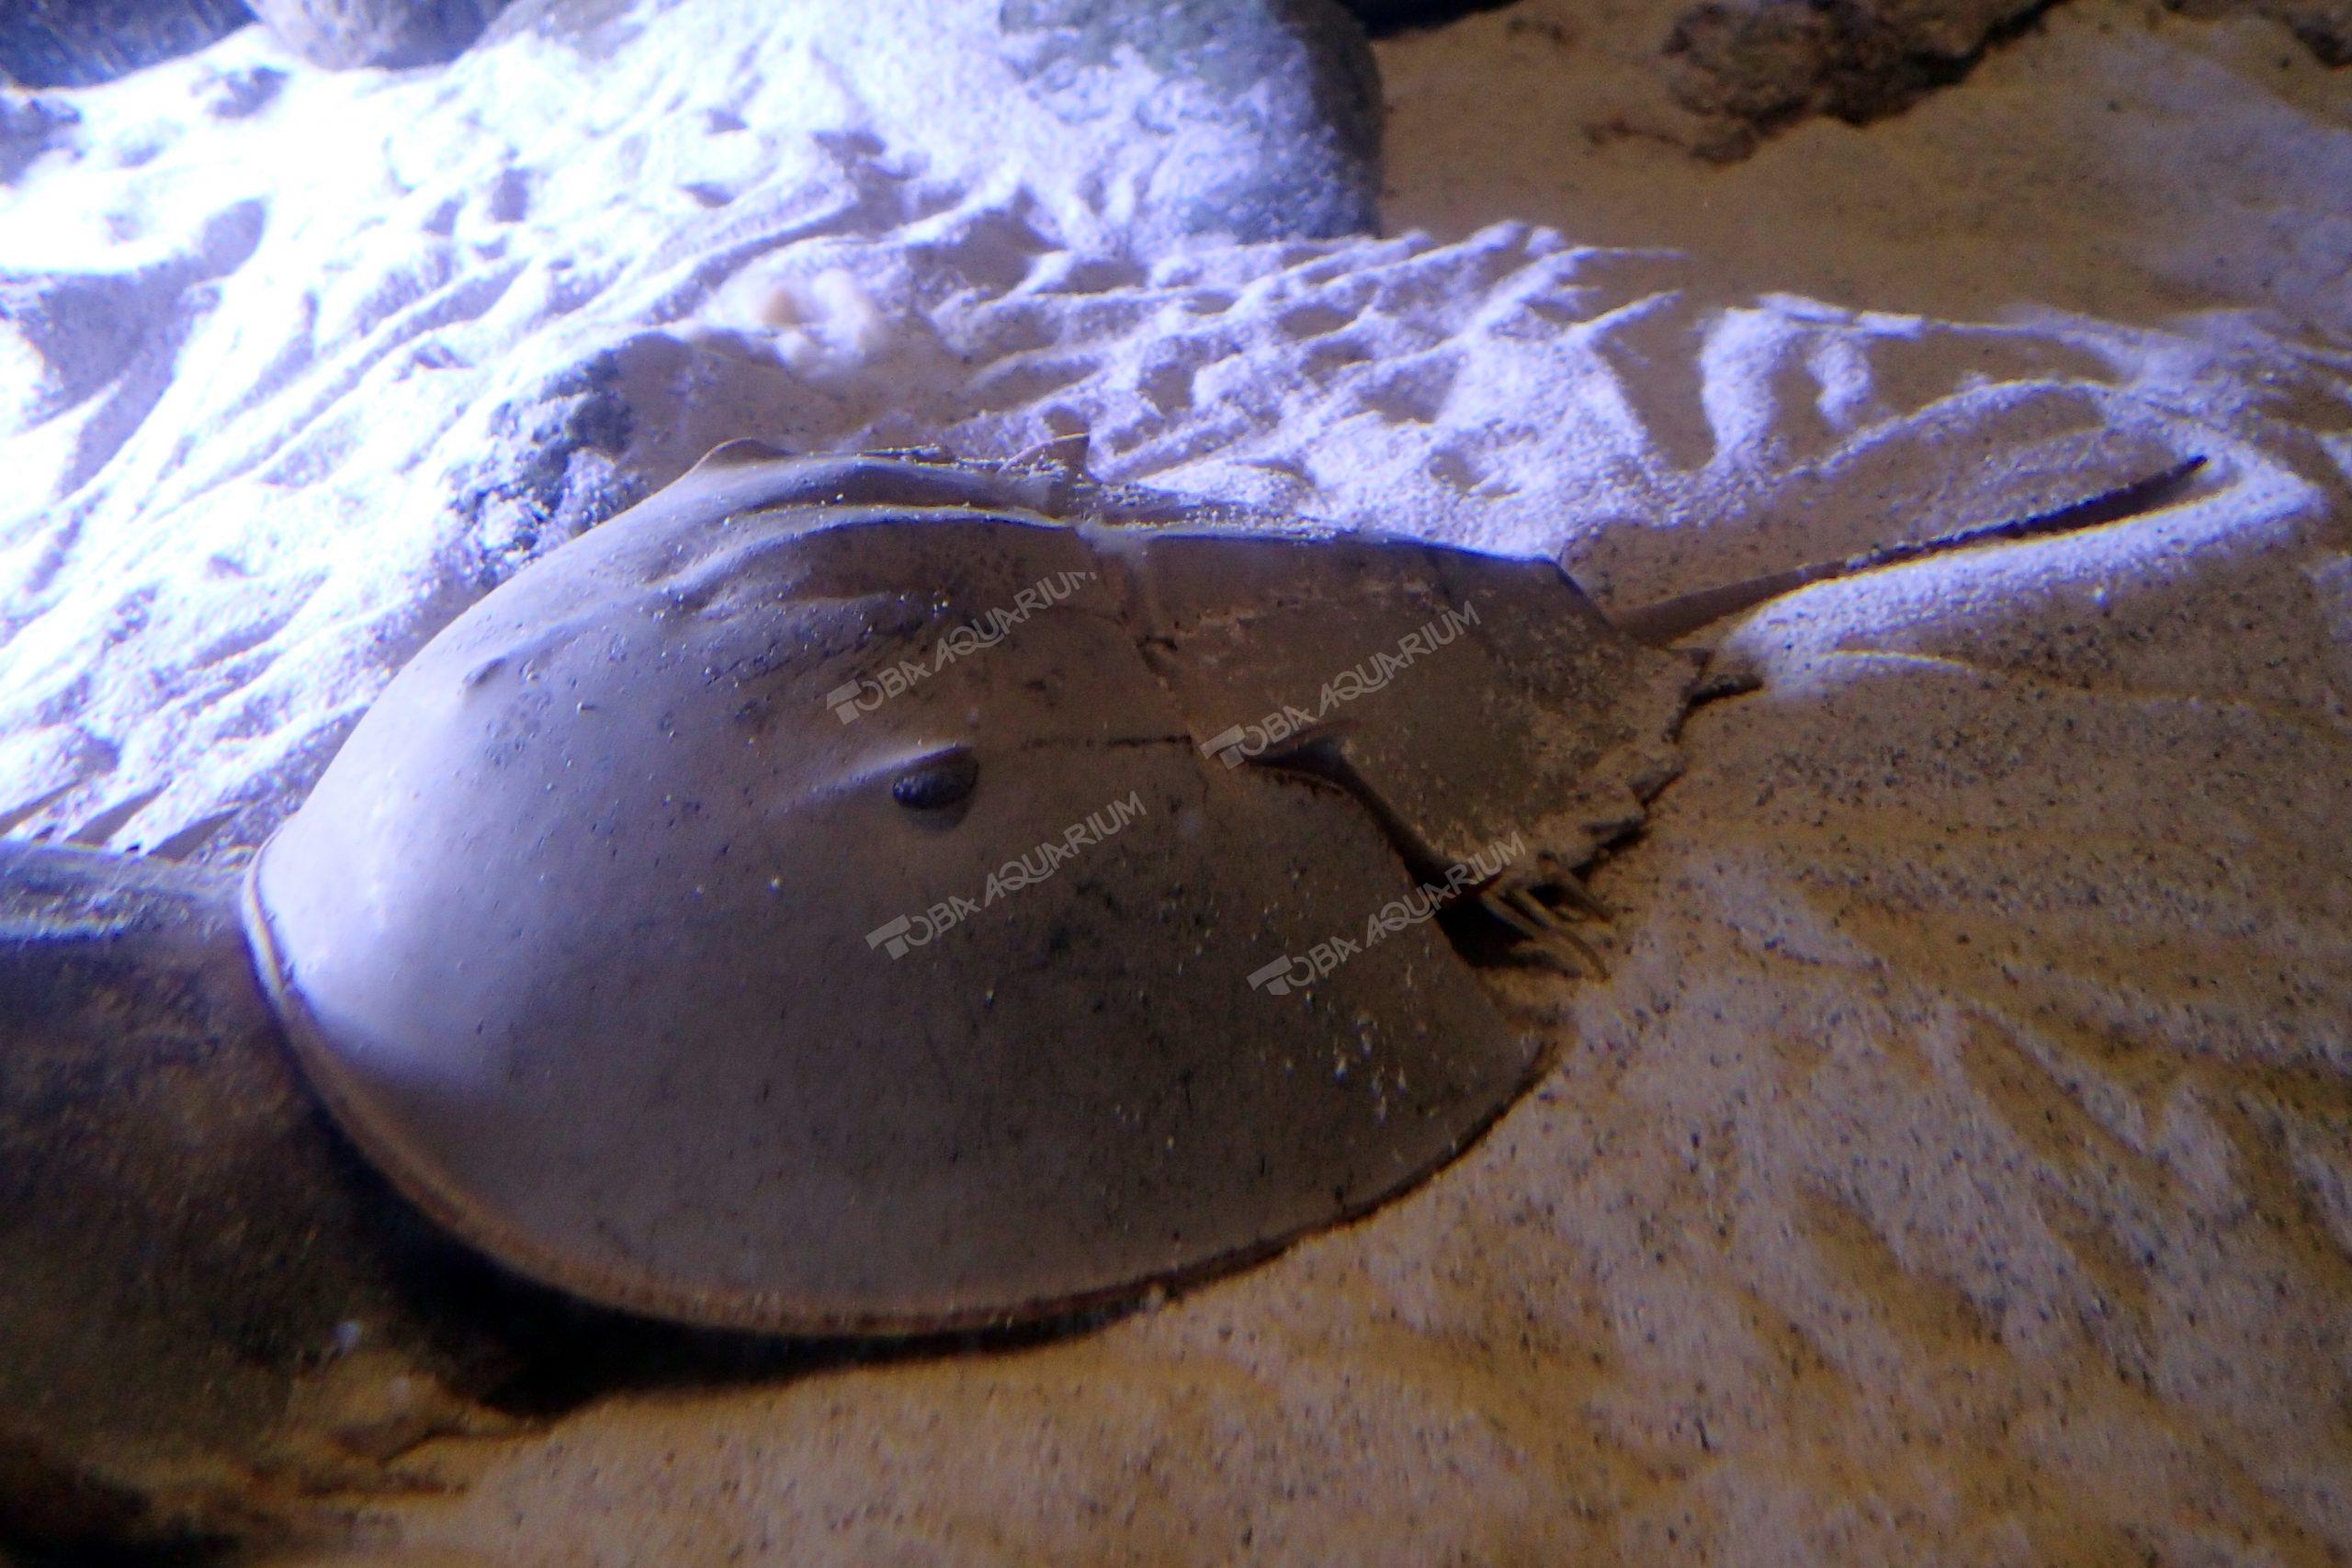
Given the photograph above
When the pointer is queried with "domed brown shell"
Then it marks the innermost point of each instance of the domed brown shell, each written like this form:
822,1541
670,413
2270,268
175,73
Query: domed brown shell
646,962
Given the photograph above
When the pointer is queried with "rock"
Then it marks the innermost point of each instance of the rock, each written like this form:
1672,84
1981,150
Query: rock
2324,26
1383,18
1292,82
554,461
1755,66
77,43
1758,66
344,34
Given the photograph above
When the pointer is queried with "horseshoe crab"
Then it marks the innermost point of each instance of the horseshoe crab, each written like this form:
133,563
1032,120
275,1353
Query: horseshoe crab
841,895
660,1061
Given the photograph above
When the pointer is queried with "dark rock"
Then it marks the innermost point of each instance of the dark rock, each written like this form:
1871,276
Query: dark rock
77,43
1755,66
346,34
556,462
1758,66
1383,18
1293,81
2324,26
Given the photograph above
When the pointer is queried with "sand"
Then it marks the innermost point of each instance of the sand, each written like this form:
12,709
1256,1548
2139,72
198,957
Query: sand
1956,1164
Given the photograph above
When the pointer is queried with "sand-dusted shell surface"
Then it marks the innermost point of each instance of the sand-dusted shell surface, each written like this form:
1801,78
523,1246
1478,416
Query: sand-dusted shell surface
839,895
1954,1167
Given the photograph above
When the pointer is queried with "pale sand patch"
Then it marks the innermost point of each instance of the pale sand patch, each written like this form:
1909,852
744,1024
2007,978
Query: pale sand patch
2119,159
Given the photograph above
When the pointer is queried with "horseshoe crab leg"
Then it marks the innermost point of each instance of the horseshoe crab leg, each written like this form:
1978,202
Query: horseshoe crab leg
1547,938
1577,896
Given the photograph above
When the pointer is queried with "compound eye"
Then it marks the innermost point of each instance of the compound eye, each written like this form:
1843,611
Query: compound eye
938,781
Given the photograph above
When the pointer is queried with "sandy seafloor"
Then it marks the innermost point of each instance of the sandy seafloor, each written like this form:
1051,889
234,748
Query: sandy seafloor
1956,1165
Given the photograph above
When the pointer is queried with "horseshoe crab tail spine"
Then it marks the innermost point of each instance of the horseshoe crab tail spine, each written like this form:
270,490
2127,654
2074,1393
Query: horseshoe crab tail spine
1670,620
